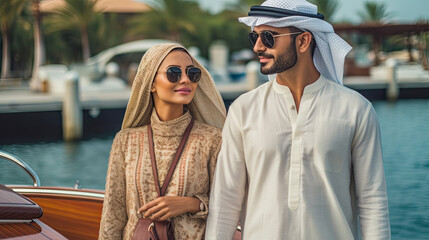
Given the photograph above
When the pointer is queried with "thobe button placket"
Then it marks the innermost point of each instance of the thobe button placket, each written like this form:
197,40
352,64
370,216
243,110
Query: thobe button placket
296,155
294,176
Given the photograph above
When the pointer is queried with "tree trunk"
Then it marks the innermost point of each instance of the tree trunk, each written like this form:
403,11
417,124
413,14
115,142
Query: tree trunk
377,48
39,47
422,50
85,43
5,69
410,48
174,35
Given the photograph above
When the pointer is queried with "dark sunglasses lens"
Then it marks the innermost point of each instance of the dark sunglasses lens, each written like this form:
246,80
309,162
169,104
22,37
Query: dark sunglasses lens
174,74
267,39
194,74
253,37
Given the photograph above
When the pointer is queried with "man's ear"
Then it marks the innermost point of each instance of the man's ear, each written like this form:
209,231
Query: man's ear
304,41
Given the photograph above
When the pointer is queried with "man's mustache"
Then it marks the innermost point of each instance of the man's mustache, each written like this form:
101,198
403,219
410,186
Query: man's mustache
266,55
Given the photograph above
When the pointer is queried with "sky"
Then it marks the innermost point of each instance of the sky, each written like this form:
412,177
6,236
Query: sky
403,11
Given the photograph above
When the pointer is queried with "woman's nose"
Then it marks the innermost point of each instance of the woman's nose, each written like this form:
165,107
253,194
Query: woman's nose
184,78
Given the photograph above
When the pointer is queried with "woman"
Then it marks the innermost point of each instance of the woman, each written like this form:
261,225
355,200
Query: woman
167,92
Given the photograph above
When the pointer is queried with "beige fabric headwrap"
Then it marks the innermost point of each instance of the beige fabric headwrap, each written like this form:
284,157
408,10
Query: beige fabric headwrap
207,105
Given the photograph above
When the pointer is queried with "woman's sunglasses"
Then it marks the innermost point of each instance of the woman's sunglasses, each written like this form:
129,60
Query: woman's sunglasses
267,38
175,73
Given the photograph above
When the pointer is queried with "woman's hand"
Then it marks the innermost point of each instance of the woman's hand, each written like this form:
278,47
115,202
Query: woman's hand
166,207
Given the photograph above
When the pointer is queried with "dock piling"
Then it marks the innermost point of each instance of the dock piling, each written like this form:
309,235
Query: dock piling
252,75
72,109
392,87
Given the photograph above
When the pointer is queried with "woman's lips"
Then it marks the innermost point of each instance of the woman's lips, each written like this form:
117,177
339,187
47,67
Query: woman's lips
183,90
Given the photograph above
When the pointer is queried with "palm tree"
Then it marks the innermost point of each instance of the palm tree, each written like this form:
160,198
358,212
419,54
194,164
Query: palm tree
76,14
374,12
168,19
243,6
9,11
423,44
39,47
106,31
226,27
326,7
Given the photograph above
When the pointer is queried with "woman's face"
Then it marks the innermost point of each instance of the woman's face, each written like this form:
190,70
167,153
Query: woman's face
179,93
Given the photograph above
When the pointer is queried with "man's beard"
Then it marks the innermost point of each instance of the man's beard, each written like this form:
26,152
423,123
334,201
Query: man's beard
283,62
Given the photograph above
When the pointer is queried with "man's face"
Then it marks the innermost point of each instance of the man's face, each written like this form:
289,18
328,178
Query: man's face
281,57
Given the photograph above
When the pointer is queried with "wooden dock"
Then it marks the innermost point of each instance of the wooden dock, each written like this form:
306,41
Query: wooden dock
27,115
377,89
21,99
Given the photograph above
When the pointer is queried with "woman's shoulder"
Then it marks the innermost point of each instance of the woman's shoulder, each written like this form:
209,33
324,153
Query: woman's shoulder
204,129
126,133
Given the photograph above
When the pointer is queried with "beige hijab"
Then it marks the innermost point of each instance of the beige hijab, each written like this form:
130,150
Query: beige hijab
207,105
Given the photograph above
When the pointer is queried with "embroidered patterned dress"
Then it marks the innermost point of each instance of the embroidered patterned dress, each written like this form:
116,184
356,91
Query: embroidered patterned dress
130,168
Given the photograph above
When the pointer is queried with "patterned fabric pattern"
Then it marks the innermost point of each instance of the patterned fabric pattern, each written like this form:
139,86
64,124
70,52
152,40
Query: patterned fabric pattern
192,176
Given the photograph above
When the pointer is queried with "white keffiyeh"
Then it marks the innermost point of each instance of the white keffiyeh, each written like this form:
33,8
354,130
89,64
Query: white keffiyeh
331,49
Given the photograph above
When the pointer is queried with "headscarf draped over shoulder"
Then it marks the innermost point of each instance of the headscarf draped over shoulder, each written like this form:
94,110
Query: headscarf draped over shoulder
207,105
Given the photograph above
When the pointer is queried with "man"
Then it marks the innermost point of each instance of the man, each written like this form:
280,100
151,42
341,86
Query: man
301,155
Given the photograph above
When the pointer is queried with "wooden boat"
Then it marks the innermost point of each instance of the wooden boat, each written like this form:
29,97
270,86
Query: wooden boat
75,213
68,213
18,218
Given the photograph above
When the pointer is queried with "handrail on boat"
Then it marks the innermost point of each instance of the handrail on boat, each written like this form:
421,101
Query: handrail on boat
23,165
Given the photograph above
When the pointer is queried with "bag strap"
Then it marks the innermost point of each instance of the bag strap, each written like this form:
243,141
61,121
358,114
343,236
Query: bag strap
152,231
161,191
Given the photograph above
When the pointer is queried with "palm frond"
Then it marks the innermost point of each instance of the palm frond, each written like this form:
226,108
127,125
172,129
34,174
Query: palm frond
326,7
10,9
374,12
170,21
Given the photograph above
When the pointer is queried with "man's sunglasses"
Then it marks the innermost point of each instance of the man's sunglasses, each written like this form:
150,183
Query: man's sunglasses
267,38
174,74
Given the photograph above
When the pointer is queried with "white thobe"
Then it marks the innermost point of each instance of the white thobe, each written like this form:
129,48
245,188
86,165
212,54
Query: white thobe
300,175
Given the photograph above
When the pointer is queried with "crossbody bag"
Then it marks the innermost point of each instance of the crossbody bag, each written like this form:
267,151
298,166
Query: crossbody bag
148,229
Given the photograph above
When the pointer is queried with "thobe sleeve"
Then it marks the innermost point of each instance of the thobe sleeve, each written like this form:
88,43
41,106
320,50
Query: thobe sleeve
229,186
114,215
370,184
211,164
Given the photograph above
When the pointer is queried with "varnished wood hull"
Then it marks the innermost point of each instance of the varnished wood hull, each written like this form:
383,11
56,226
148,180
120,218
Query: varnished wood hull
74,213
30,230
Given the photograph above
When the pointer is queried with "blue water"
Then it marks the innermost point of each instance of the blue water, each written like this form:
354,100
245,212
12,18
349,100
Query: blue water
405,136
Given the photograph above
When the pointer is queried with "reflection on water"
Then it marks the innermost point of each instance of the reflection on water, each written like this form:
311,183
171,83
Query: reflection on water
405,135
61,164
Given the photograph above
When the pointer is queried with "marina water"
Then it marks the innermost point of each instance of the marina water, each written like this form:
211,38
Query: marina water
405,135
